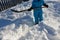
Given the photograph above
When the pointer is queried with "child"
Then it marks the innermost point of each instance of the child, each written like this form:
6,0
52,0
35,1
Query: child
38,14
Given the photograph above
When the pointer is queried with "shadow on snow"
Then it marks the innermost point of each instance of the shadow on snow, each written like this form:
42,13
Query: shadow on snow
24,20
29,21
49,29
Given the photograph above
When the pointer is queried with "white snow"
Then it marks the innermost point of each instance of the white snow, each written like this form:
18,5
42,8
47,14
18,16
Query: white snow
20,25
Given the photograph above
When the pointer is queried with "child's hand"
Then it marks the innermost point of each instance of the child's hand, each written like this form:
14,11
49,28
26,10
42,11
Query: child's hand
25,0
30,9
46,6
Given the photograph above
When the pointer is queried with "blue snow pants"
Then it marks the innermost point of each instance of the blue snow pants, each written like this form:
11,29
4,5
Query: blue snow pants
38,14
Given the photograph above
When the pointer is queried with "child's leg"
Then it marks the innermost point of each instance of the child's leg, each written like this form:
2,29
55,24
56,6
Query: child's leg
36,17
40,16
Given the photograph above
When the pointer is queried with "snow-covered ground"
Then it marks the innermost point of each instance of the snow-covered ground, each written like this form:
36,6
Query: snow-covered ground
19,26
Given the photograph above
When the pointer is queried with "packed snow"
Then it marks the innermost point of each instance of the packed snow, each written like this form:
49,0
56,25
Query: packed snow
19,26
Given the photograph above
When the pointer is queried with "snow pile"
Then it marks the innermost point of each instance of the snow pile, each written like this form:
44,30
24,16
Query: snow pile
19,26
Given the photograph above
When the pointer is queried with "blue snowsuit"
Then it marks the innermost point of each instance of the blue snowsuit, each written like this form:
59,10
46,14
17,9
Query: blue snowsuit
38,14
